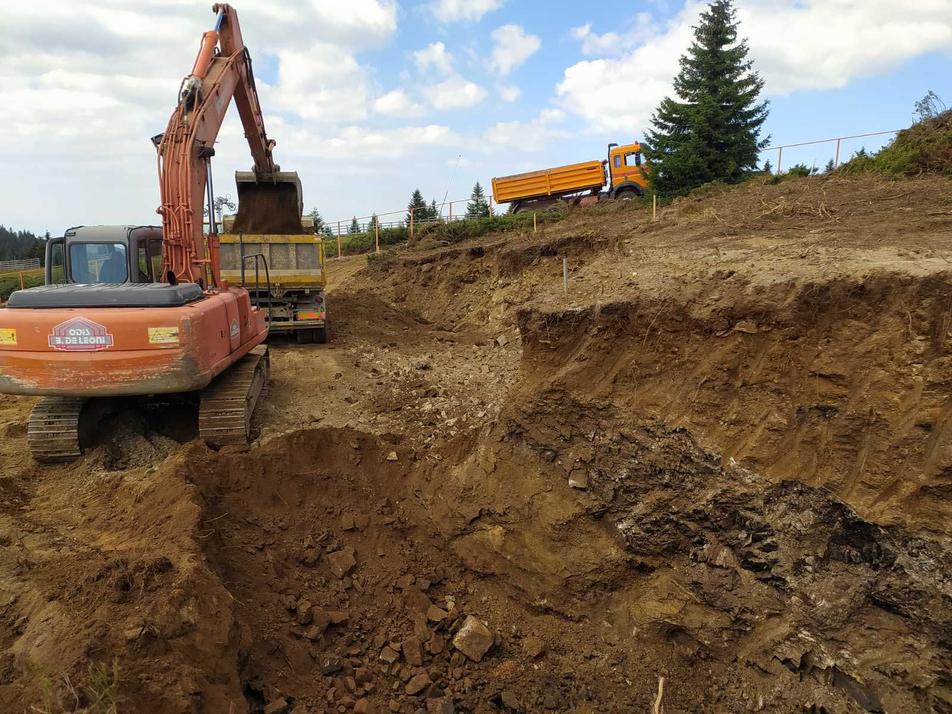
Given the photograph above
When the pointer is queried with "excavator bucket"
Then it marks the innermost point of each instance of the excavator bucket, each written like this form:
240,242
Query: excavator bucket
269,204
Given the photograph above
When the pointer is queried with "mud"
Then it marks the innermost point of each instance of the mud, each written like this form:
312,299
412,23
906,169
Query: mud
722,459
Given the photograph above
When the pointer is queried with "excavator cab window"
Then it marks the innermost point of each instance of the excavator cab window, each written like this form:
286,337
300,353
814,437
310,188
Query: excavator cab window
98,262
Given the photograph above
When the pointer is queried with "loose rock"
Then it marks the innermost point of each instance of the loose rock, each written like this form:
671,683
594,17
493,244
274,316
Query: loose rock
474,639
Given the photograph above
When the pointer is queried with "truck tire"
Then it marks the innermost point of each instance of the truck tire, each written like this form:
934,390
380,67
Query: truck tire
627,194
320,334
304,337
520,208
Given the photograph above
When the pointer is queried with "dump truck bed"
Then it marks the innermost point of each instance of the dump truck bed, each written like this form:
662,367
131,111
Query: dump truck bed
294,261
558,181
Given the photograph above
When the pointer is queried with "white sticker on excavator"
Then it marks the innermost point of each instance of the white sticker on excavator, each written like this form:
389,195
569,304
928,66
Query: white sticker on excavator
80,335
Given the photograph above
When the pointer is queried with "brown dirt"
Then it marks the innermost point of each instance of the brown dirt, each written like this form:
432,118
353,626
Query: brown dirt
723,458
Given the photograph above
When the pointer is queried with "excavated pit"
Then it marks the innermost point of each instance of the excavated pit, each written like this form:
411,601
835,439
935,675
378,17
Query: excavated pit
734,479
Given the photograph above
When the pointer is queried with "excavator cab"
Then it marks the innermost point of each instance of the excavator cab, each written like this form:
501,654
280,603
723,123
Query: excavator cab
90,255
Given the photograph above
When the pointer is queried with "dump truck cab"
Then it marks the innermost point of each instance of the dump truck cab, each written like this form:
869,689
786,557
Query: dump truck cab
105,254
627,177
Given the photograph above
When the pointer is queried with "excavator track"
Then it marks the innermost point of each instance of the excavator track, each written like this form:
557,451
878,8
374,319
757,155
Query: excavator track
229,402
53,431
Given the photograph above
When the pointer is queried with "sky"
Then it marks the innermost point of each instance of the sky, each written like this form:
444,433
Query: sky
370,99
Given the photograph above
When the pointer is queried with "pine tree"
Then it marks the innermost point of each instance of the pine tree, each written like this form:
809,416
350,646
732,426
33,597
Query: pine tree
478,206
318,221
711,130
374,222
354,226
768,167
419,208
830,167
328,231
434,211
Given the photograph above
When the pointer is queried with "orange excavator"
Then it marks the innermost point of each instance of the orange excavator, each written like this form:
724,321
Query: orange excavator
139,311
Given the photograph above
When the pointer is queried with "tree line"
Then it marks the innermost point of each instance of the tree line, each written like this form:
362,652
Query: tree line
20,245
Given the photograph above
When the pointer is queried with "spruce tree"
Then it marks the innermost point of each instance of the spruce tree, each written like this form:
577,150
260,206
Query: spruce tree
478,206
418,206
354,226
711,130
434,211
318,221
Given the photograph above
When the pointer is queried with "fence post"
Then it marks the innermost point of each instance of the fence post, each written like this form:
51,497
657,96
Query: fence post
338,240
451,213
535,227
565,273
21,280
411,223
836,161
654,207
779,159
377,235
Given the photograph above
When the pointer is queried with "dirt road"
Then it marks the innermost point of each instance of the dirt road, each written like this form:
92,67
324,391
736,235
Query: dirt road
723,458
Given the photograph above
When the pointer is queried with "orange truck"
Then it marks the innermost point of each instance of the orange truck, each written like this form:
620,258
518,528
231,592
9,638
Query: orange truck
623,173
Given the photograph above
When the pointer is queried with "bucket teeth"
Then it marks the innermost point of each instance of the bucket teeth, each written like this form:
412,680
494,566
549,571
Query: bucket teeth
229,402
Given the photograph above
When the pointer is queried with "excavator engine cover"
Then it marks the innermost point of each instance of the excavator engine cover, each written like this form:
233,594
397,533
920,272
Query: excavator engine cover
269,204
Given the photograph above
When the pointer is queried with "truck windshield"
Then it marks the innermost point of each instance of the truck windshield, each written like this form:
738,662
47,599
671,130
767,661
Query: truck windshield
98,263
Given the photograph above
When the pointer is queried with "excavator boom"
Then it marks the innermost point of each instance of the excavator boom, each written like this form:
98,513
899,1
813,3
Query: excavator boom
268,198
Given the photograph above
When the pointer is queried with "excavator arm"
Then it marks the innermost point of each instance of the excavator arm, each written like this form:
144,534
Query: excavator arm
222,72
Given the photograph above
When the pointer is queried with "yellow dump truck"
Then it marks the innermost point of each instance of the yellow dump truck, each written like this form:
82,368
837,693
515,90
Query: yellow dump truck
624,173
292,288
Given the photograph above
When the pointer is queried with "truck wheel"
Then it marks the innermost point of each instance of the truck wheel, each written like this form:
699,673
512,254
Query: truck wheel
320,334
626,194
304,337
520,208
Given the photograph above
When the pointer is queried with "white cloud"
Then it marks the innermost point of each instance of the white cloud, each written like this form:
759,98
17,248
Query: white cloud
455,92
397,103
509,93
511,47
386,143
795,44
614,43
456,10
434,56
534,135
321,83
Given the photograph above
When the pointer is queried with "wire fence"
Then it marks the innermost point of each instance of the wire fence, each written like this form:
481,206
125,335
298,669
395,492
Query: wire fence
383,227
15,266
836,145
390,226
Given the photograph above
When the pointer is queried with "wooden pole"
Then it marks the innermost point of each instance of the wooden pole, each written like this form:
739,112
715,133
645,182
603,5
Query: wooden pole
339,253
535,227
377,235
451,211
411,223
654,207
779,159
565,273
836,161
21,280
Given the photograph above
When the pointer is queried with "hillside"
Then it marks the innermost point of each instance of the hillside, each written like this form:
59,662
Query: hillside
723,457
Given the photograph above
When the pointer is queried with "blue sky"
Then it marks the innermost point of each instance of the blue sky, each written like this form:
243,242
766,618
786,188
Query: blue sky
370,99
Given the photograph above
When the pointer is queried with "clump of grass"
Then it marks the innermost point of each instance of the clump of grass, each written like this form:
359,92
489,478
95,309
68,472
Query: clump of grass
97,692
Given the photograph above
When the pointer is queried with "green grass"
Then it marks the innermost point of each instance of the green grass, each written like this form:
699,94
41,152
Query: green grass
11,281
923,148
